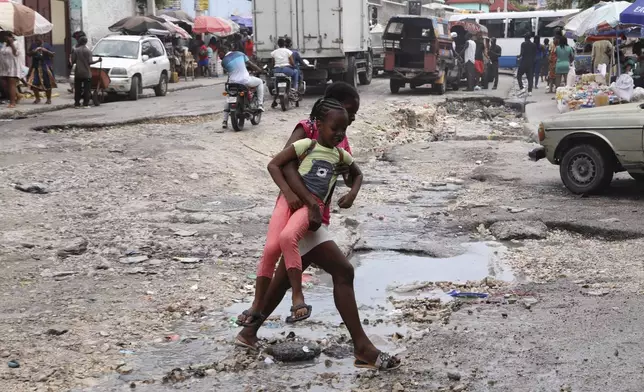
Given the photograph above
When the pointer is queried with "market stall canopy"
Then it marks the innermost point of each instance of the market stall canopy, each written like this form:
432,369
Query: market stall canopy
600,18
561,22
634,14
215,25
245,21
22,20
178,14
140,25
468,26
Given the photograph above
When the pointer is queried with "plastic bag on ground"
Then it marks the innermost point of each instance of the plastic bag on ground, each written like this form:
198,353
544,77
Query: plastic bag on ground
638,94
623,87
572,76
601,69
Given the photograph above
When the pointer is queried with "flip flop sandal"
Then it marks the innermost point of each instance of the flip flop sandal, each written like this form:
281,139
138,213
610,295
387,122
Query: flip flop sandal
241,343
292,319
383,363
258,318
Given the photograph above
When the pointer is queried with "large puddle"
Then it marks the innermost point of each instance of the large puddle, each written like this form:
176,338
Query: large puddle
379,277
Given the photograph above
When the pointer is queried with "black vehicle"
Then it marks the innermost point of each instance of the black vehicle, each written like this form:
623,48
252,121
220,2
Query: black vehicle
242,105
282,91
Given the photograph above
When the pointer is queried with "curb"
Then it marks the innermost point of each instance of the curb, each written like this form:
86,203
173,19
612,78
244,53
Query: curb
21,114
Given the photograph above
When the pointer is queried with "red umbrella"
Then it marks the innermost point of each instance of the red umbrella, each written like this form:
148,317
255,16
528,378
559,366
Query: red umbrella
214,25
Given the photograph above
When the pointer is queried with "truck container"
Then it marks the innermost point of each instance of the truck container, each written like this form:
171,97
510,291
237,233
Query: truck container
332,35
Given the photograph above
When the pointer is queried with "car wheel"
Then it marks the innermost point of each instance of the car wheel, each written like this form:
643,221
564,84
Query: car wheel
351,76
586,169
135,87
161,89
365,77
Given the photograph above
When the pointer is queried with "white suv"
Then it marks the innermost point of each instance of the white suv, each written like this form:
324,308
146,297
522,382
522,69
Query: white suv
133,63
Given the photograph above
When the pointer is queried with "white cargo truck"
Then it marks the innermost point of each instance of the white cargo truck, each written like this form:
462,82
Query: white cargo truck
332,35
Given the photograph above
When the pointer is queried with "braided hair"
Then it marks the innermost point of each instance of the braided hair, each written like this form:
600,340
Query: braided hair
341,91
323,106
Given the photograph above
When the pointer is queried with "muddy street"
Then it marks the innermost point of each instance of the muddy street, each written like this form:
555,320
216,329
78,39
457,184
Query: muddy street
128,270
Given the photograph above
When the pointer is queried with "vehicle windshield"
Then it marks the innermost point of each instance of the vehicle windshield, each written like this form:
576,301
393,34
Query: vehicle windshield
117,49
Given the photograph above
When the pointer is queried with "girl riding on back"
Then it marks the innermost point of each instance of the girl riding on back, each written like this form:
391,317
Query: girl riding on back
318,160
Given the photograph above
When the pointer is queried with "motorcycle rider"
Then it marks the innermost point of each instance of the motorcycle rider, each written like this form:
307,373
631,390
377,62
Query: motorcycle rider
283,62
235,63
297,60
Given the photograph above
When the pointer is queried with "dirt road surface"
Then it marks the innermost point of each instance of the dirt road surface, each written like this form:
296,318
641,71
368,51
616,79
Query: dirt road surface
129,269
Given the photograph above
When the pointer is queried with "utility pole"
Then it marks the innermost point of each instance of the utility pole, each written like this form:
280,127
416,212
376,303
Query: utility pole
152,7
505,5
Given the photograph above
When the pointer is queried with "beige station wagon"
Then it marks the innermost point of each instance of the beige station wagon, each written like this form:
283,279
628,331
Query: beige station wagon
590,145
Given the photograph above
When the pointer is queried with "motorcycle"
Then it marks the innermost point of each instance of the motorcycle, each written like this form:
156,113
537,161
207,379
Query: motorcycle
243,105
282,89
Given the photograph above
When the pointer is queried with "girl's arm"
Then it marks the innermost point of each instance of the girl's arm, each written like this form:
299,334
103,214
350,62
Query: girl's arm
275,168
347,200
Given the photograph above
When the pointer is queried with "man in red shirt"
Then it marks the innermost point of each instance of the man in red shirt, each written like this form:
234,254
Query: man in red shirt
248,46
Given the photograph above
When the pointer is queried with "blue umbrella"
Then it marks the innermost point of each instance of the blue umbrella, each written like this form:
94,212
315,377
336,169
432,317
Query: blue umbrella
242,21
634,14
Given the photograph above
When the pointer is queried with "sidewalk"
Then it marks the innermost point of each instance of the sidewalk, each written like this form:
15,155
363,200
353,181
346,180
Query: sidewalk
63,99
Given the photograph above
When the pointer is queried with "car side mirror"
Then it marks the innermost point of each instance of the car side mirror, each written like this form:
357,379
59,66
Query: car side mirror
145,57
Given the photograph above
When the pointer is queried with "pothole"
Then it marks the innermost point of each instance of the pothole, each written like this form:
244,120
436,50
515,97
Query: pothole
90,126
220,204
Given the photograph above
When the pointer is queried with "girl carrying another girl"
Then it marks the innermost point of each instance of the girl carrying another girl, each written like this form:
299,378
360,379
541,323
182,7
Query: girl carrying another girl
318,160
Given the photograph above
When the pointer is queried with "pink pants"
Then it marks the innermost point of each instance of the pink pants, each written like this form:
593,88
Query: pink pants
285,231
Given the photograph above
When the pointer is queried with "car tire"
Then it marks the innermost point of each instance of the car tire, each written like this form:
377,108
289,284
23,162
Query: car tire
586,169
351,76
365,77
135,88
161,89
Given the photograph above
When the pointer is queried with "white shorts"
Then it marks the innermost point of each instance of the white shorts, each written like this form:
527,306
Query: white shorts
314,238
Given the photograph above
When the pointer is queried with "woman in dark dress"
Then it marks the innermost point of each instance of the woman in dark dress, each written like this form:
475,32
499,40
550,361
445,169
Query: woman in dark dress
40,76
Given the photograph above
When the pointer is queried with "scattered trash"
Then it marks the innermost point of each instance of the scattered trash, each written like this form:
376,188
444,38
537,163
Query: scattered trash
34,187
251,276
454,376
194,176
57,331
184,233
172,338
458,294
133,259
269,361
187,260
13,364
126,352
305,349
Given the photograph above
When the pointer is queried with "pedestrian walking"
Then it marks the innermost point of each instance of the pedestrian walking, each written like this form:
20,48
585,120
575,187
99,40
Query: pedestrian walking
82,57
495,54
479,62
540,53
40,76
318,248
552,63
469,54
545,62
10,71
601,54
565,58
526,63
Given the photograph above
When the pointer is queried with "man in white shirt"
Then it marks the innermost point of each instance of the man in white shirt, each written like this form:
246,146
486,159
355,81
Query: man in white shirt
469,54
283,62
235,64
